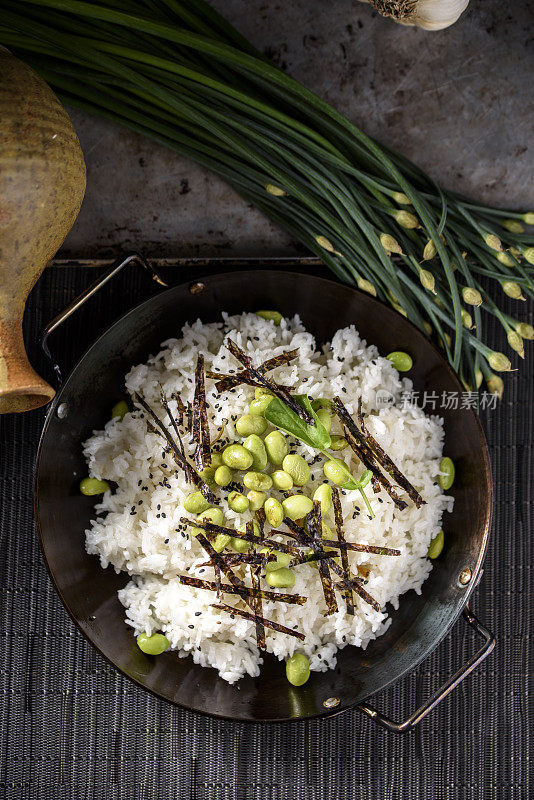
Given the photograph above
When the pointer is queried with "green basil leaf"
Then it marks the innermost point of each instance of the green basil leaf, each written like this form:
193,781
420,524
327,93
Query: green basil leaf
281,416
350,484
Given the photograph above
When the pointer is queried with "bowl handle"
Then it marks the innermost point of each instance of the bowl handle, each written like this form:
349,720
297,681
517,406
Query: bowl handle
78,301
443,691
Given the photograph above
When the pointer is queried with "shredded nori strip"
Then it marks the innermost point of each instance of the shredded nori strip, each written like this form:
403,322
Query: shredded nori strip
368,460
278,391
257,605
355,583
359,446
236,559
282,547
275,626
358,588
191,475
360,548
338,518
243,591
200,428
219,561
172,420
386,462
298,532
212,529
226,382
218,585
307,558
314,526
181,408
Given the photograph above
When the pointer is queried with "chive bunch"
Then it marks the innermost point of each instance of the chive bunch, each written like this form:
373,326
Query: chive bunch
176,71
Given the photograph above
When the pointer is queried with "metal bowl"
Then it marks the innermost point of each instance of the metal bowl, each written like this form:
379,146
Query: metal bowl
89,593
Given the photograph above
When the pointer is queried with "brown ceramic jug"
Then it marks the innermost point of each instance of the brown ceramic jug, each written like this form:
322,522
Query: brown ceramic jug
42,183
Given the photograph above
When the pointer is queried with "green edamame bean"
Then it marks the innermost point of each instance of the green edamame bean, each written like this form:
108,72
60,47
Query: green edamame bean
256,499
276,447
256,528
448,470
436,545
297,669
321,402
282,559
297,468
282,578
223,475
323,494
255,445
281,480
195,503
297,506
274,512
275,316
400,360
238,502
91,486
236,456
326,531
251,423
153,645
208,476
336,471
260,391
257,407
239,545
221,541
325,418
119,410
338,442
258,481
211,514
216,460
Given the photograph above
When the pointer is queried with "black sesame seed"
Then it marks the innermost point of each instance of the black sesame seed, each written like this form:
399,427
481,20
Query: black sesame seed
191,626
198,613
166,541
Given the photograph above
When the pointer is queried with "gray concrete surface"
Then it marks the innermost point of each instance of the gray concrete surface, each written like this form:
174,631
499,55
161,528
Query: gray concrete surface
460,102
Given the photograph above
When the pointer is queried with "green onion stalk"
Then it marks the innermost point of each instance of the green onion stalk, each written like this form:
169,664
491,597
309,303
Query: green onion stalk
178,72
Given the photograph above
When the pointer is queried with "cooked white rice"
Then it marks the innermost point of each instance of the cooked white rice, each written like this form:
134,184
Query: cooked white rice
138,530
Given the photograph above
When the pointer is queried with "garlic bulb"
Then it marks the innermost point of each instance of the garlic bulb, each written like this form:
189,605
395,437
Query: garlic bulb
433,15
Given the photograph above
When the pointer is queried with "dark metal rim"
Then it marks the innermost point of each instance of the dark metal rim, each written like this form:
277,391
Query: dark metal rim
327,712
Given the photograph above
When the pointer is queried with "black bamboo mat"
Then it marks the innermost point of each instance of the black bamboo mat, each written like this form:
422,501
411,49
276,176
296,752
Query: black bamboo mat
72,729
